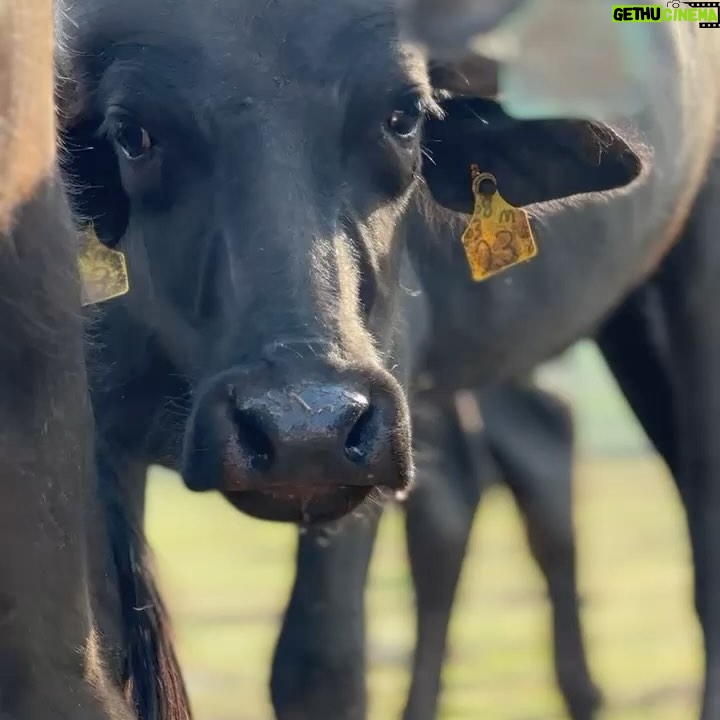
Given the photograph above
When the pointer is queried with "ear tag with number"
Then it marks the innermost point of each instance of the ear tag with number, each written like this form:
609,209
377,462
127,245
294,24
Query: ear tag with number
103,271
499,235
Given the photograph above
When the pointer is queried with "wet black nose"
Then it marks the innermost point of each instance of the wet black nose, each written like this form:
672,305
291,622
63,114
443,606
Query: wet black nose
309,435
331,431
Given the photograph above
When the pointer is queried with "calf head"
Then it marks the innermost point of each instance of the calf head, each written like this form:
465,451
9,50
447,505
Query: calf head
254,162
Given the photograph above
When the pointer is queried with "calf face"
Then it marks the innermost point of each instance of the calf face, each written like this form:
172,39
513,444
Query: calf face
254,161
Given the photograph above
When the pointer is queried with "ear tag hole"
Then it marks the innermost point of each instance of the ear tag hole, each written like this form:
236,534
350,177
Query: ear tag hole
498,235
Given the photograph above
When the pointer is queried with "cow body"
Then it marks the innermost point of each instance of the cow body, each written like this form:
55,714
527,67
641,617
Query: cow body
64,589
46,621
262,169
48,655
46,663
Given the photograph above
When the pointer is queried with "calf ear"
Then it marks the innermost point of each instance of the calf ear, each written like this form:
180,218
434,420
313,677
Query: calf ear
533,160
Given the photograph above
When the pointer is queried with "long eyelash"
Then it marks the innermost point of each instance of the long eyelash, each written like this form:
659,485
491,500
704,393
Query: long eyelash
432,108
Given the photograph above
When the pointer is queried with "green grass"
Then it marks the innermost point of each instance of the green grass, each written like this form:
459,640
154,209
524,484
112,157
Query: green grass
227,577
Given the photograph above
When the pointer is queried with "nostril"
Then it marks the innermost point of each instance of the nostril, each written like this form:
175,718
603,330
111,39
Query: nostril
253,440
359,440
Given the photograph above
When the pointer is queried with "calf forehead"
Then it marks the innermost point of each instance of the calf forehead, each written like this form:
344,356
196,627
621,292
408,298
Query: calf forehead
256,44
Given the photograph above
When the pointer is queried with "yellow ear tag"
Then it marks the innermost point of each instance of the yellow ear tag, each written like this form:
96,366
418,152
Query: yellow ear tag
103,271
499,235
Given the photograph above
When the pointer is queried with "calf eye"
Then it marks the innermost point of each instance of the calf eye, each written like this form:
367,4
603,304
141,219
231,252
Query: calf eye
404,123
133,140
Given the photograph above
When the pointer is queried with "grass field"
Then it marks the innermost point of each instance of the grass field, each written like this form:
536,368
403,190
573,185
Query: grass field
226,578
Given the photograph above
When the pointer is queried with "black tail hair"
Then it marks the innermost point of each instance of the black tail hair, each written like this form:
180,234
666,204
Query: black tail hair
151,675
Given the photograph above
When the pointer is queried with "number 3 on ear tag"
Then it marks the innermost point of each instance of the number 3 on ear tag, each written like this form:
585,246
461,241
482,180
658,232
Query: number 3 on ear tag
103,271
499,235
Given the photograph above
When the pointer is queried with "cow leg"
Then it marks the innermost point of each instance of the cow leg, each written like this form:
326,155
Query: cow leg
318,669
531,438
439,517
691,293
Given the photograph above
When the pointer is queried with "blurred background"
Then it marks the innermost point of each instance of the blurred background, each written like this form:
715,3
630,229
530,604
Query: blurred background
226,578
